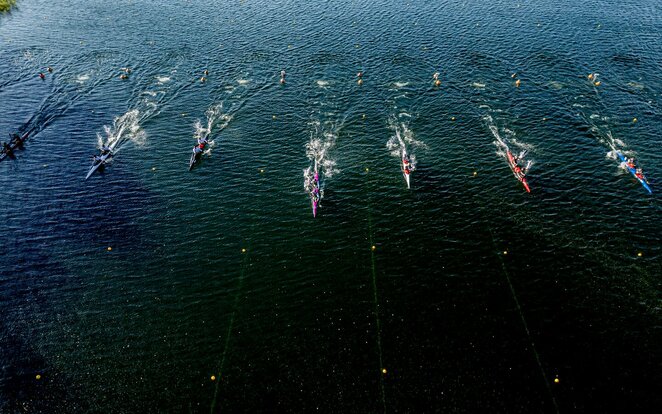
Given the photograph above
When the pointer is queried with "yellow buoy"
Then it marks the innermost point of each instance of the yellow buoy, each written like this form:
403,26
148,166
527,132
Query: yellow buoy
153,168
243,250
383,370
110,248
505,252
360,82
452,118
640,254
273,117
517,83
363,116
634,119
203,79
590,76
475,173
556,380
373,248
437,82
261,171
38,376
367,169
213,377
598,83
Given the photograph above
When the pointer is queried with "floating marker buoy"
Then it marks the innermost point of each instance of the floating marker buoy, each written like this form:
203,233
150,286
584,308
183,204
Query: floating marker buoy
360,82
640,254
437,82
203,79
505,252
110,248
475,173
282,81
124,76
373,248
363,116
243,250
206,72
452,118
213,378
634,119
598,83
153,168
590,76
261,171
517,83
367,169
544,119
38,377
383,370
556,380
358,75
513,75
273,116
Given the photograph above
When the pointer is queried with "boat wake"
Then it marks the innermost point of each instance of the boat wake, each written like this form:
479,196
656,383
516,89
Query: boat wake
216,121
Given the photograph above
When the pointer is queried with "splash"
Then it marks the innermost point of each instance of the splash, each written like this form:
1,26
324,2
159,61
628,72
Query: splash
124,128
216,120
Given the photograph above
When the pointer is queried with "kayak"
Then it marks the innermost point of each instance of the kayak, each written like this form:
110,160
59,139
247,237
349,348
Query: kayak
406,167
14,144
517,171
633,171
315,193
195,157
99,163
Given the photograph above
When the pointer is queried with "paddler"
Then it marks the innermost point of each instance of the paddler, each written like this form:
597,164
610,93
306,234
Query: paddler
105,150
197,149
639,173
6,148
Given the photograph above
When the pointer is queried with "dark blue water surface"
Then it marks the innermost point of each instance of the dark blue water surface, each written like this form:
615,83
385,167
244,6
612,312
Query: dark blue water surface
128,291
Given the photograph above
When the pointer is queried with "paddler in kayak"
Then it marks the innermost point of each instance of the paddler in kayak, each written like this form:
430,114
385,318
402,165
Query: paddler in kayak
6,148
105,150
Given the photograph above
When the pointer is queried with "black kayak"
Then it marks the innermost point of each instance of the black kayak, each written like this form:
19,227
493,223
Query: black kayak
14,144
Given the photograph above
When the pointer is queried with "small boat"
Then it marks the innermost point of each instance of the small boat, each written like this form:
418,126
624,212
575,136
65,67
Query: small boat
633,170
315,195
99,162
14,143
406,167
517,170
195,157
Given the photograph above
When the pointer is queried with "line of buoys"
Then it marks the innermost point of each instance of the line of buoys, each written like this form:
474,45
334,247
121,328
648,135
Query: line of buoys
360,76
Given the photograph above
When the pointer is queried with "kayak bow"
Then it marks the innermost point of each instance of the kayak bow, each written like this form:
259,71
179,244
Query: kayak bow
633,171
517,170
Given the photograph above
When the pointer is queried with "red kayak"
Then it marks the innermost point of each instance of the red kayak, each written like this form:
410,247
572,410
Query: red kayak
517,170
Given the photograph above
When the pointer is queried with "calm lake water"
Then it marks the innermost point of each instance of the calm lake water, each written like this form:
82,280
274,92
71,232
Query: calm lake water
129,291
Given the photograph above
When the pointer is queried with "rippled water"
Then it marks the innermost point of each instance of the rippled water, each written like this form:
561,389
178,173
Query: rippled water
128,291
